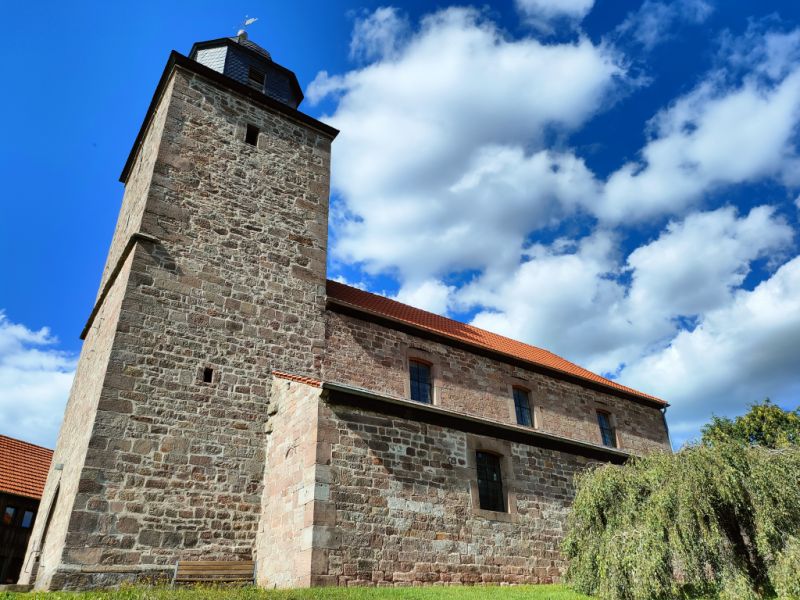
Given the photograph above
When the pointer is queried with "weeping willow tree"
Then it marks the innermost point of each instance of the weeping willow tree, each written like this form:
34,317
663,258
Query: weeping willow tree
716,521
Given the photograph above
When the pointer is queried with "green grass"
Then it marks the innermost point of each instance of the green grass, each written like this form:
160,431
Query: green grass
522,592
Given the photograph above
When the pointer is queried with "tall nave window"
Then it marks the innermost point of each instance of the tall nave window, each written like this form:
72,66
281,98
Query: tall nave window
421,388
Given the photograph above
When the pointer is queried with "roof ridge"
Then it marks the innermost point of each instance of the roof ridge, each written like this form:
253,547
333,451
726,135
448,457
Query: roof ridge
575,370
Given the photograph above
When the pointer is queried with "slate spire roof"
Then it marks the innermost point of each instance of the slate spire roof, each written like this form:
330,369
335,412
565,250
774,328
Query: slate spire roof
473,336
243,40
23,467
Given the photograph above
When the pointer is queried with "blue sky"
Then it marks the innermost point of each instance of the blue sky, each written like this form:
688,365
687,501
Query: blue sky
615,181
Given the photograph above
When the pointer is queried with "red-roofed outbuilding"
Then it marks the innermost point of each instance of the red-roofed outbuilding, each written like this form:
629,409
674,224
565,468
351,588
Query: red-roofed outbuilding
23,473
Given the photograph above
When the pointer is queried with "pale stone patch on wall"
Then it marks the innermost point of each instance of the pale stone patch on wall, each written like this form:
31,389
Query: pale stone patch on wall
285,536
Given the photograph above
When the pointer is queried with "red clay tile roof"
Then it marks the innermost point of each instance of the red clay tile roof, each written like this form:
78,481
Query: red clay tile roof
23,467
298,378
381,306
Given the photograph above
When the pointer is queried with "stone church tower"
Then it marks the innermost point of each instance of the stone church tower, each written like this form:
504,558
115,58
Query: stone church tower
215,278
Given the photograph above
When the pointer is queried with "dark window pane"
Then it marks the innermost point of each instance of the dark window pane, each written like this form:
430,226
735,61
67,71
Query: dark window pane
27,519
8,515
490,482
522,405
606,430
420,374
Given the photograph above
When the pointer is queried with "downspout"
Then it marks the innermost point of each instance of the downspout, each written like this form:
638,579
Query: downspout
666,425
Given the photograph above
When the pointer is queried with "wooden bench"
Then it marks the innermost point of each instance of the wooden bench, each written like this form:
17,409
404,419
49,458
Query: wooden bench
214,571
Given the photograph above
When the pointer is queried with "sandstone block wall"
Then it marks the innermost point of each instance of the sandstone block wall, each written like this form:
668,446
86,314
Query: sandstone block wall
406,512
364,354
235,282
285,535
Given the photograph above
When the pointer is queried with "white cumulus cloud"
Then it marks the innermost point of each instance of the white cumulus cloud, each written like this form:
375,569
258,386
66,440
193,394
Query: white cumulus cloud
739,353
431,295
570,297
717,135
546,15
35,380
378,35
654,22
440,162
453,172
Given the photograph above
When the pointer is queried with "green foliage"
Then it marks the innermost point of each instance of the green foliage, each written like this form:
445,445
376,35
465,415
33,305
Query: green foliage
786,573
707,522
523,592
765,424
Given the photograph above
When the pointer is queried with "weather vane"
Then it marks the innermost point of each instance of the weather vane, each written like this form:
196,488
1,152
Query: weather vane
247,21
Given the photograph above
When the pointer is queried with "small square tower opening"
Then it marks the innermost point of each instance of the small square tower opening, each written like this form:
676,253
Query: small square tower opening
251,135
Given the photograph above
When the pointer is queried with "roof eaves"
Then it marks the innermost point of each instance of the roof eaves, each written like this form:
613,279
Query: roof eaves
297,378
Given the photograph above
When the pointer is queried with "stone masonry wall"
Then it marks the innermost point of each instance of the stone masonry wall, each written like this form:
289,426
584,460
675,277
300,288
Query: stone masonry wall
367,355
236,283
405,507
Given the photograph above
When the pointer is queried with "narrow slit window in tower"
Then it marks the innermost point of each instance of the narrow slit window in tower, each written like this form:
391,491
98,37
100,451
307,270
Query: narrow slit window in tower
208,375
251,136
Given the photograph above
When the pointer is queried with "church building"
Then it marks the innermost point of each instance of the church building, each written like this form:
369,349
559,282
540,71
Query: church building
231,403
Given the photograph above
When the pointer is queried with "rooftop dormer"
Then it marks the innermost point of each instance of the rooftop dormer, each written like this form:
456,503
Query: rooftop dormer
250,64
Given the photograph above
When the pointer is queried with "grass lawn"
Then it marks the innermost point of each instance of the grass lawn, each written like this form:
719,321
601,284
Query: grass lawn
523,592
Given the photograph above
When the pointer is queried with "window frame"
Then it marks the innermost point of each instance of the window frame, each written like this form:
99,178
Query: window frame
503,450
413,360
9,516
516,390
256,83
535,408
608,434
25,514
491,495
414,353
